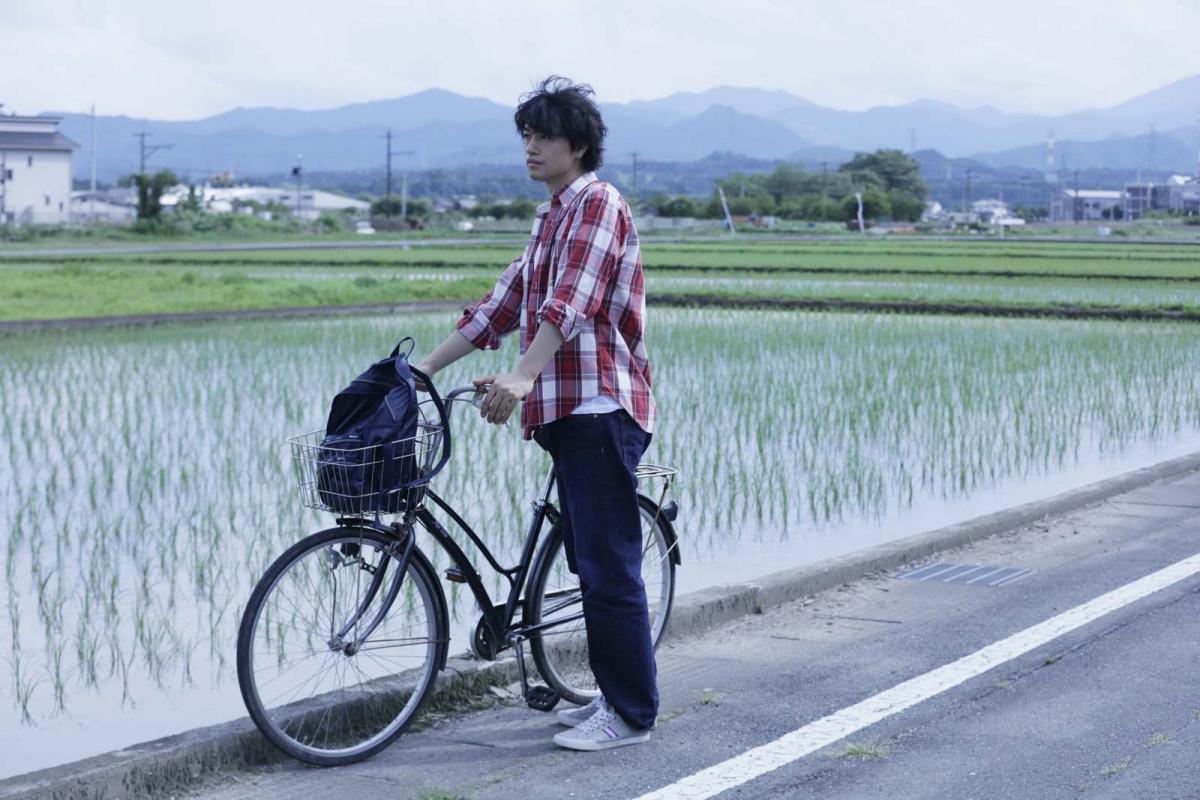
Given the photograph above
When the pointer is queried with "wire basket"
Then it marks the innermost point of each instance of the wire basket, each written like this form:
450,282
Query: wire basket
388,478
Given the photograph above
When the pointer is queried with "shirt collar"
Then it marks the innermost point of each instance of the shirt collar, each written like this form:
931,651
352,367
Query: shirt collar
567,193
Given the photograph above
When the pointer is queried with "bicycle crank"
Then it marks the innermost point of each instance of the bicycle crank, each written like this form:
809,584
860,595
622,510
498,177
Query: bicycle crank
539,698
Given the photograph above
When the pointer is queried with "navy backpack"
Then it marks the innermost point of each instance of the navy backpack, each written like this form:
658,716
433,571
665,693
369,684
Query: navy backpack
369,449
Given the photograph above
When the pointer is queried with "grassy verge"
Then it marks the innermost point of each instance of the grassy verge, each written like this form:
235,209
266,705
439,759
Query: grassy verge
865,258
945,277
93,291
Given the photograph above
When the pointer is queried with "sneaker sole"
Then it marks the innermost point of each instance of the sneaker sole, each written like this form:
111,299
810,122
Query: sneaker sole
586,746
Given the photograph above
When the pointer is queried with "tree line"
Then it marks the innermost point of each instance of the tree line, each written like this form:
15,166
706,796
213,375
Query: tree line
889,180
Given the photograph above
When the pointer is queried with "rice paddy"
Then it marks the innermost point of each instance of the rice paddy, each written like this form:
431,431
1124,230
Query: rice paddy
984,275
144,484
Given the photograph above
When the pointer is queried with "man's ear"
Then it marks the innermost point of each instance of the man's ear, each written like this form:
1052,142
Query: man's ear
578,154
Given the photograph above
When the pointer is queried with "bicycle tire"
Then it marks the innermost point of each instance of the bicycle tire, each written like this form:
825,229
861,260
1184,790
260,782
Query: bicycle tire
561,655
359,716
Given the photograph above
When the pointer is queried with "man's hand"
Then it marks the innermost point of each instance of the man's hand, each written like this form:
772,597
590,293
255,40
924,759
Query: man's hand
428,370
507,391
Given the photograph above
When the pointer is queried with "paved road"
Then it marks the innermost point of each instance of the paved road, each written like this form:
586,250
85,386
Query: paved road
1109,710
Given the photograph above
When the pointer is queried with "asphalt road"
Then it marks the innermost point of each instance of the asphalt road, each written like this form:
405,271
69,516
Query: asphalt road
1108,710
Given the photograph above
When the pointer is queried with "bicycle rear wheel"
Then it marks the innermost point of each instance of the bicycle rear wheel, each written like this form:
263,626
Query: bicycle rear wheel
316,683
553,596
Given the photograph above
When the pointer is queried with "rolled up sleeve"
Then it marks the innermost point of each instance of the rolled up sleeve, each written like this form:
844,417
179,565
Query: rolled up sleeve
593,249
497,314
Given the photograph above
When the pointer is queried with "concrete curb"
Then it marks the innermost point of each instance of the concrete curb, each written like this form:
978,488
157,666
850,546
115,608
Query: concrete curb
161,767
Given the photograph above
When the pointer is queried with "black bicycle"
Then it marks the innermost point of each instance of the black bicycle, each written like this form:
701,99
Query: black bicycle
344,635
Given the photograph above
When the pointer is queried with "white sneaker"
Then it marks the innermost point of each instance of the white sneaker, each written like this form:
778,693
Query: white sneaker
601,731
573,716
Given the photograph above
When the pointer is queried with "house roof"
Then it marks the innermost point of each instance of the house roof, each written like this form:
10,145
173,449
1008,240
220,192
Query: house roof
13,140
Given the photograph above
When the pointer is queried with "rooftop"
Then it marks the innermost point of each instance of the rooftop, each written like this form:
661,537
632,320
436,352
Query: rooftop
13,140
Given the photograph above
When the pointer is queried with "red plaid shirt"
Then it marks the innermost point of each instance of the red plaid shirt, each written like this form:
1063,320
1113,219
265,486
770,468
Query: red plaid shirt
582,272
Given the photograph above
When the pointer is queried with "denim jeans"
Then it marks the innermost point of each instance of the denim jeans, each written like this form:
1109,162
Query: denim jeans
595,457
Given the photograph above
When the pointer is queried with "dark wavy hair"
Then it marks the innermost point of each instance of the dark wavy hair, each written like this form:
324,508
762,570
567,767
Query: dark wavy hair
561,108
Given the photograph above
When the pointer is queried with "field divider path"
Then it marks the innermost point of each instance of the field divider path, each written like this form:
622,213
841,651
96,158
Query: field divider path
687,300
173,764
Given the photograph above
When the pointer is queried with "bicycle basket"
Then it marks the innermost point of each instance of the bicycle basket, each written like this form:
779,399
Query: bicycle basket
341,475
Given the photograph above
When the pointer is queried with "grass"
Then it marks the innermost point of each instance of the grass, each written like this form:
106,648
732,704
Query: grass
862,751
1029,278
1114,769
98,290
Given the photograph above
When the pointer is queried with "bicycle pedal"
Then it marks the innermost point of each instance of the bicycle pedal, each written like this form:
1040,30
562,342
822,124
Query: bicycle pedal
542,698
454,575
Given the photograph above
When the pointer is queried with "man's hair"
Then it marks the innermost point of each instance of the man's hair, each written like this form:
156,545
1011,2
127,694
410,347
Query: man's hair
561,108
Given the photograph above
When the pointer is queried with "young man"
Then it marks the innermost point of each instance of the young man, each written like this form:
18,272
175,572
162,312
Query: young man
583,381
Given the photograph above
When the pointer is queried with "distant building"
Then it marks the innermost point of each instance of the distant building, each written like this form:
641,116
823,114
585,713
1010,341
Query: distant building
1143,197
114,206
35,171
987,211
308,205
1086,205
1183,194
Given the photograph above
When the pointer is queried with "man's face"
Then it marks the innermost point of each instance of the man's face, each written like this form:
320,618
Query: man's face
550,158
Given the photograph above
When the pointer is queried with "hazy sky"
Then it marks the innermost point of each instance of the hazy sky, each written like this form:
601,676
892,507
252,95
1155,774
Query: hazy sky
176,60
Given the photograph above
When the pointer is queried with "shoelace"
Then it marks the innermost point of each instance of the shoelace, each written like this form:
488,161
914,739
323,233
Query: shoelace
595,722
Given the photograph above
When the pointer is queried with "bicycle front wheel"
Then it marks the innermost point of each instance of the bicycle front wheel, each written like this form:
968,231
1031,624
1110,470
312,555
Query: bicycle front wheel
338,648
554,598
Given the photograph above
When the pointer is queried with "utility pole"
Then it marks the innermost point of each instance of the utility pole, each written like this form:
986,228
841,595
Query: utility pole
966,191
298,174
1075,200
92,201
635,158
403,179
145,151
3,186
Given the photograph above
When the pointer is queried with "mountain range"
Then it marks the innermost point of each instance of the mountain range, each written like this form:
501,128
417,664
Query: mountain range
441,129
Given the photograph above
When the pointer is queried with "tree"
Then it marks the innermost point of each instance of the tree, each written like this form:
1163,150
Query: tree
150,190
905,206
875,204
894,170
679,207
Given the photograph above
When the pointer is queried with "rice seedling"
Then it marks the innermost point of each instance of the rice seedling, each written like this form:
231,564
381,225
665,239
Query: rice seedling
137,517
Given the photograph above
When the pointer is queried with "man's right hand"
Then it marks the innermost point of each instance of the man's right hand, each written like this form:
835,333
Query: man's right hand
425,368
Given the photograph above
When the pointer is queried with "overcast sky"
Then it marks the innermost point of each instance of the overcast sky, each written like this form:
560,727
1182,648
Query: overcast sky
166,59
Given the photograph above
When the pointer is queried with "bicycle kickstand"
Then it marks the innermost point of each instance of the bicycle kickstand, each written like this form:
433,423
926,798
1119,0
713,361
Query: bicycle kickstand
541,698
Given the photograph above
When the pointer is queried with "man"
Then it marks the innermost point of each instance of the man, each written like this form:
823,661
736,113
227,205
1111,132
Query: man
576,294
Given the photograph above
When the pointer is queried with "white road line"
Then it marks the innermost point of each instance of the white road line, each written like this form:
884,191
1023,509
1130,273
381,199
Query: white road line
985,574
938,572
840,724
1009,578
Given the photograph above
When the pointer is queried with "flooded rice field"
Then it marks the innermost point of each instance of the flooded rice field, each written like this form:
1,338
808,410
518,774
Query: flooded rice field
145,483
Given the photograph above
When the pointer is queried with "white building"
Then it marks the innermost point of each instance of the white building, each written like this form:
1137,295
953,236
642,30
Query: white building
310,205
1183,194
113,206
1086,204
35,171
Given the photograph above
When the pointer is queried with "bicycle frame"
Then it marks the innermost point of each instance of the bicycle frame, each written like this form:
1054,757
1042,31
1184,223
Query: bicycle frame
497,617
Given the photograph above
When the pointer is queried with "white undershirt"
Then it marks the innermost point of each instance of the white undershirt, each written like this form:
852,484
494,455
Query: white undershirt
600,404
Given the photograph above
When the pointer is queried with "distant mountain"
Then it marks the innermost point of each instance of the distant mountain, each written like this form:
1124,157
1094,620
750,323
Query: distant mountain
1174,151
447,130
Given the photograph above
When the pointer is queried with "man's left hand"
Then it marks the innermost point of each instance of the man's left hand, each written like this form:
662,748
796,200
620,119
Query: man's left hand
507,391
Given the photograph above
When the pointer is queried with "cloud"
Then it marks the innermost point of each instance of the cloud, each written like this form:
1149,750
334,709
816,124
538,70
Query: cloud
167,60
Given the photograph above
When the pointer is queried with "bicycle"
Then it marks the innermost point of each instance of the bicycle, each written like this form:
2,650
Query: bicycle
375,651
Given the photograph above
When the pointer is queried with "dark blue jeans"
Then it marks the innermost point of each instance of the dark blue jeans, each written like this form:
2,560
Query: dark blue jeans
595,457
